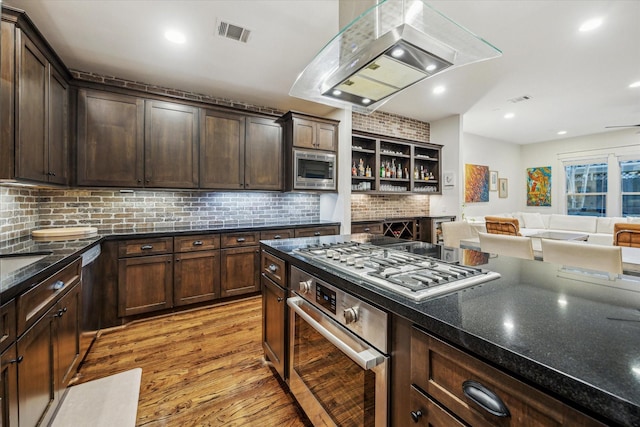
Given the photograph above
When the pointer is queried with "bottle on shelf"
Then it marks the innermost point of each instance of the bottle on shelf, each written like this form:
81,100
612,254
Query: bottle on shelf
421,173
382,171
399,171
387,171
361,168
354,171
393,168
415,172
367,172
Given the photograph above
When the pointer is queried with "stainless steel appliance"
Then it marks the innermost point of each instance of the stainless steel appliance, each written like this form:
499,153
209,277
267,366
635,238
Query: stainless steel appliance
314,170
338,368
412,275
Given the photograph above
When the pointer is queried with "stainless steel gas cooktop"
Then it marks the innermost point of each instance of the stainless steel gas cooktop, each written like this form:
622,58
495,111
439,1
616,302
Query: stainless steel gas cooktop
415,276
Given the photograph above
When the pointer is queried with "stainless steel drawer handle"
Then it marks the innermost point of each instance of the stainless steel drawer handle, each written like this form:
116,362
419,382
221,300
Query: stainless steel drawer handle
317,233
58,284
273,268
146,247
485,398
277,236
198,243
367,229
240,239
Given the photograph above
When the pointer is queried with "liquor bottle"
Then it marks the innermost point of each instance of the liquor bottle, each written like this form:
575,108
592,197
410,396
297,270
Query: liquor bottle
353,169
421,173
367,172
361,168
387,171
406,173
399,171
382,171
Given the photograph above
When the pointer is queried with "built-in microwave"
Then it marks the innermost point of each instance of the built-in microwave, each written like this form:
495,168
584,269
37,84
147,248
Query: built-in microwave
314,170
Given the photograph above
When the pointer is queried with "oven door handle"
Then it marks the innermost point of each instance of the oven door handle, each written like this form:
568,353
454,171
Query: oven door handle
366,359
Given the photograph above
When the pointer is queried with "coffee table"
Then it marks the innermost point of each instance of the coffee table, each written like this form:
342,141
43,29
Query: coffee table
561,235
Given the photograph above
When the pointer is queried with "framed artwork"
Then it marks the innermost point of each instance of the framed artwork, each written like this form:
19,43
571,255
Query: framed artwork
449,179
476,183
539,186
493,180
503,188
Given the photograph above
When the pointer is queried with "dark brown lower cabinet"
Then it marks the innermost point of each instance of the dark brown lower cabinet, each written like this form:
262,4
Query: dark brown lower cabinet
239,271
274,308
9,387
67,319
144,284
426,413
196,277
36,372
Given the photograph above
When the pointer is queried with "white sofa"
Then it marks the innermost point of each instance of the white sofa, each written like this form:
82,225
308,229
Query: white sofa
599,229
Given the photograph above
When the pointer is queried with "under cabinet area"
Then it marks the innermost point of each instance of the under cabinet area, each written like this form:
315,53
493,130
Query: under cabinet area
475,393
381,164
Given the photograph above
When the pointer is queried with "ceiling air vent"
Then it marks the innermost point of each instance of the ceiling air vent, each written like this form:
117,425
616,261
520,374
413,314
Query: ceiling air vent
233,32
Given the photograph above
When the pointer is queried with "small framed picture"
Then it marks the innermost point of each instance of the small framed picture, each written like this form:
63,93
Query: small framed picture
493,180
503,188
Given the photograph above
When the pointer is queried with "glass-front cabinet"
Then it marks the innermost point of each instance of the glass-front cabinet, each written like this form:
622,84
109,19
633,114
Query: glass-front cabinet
383,164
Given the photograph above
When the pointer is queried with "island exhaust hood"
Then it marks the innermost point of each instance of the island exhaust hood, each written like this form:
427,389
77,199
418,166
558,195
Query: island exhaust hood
390,47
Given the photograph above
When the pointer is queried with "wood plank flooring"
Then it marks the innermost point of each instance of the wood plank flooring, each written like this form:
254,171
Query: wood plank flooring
202,367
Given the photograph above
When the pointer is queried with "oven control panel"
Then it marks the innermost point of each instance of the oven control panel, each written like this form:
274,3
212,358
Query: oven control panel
360,317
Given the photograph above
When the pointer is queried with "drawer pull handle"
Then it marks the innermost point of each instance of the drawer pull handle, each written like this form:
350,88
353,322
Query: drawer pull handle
57,285
280,299
317,233
416,415
485,398
277,236
240,239
273,268
198,243
146,247
18,360
367,229
60,312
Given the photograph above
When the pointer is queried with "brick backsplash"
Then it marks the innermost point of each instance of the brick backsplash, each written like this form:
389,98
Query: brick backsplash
18,211
23,210
391,125
372,207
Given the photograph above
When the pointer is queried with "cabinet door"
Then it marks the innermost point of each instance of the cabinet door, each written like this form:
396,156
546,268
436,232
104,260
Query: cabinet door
57,147
326,136
239,273
36,372
304,133
31,111
222,137
145,284
273,324
68,334
196,277
9,387
110,139
263,159
170,145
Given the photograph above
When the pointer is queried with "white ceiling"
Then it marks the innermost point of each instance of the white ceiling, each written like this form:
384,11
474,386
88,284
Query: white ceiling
577,82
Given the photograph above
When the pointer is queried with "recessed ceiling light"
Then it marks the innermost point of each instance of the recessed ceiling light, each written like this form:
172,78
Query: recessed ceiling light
366,100
431,67
397,52
591,24
635,84
337,92
509,116
439,89
562,132
175,36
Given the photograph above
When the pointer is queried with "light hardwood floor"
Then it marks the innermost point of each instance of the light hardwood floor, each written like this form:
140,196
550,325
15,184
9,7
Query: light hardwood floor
202,367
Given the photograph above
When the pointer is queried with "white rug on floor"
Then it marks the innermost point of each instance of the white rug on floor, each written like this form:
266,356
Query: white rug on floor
105,402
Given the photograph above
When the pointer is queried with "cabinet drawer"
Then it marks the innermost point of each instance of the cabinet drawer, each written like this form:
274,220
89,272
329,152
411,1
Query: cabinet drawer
7,324
274,268
276,234
141,247
36,301
317,231
375,228
442,371
233,240
425,412
203,242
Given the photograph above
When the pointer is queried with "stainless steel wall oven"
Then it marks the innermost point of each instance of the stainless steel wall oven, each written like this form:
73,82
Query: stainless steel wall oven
339,365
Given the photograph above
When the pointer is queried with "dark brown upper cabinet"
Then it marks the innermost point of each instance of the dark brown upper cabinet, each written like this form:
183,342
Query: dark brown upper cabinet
170,145
240,152
41,117
110,150
304,131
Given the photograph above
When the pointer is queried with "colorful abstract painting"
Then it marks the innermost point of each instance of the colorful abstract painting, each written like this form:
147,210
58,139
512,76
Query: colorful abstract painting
539,186
476,183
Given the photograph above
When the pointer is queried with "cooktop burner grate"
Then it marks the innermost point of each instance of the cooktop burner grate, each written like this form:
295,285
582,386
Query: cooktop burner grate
415,276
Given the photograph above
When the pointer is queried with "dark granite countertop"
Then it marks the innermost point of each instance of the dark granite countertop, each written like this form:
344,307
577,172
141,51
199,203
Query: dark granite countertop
60,253
574,335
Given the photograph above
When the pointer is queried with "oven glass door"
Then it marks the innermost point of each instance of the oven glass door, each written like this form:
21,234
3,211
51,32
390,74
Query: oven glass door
315,170
332,387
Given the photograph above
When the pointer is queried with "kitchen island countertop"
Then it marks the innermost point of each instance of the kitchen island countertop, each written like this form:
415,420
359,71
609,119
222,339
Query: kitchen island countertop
573,334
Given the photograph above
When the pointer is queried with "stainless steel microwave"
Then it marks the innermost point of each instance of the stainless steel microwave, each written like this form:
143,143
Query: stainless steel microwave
314,170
